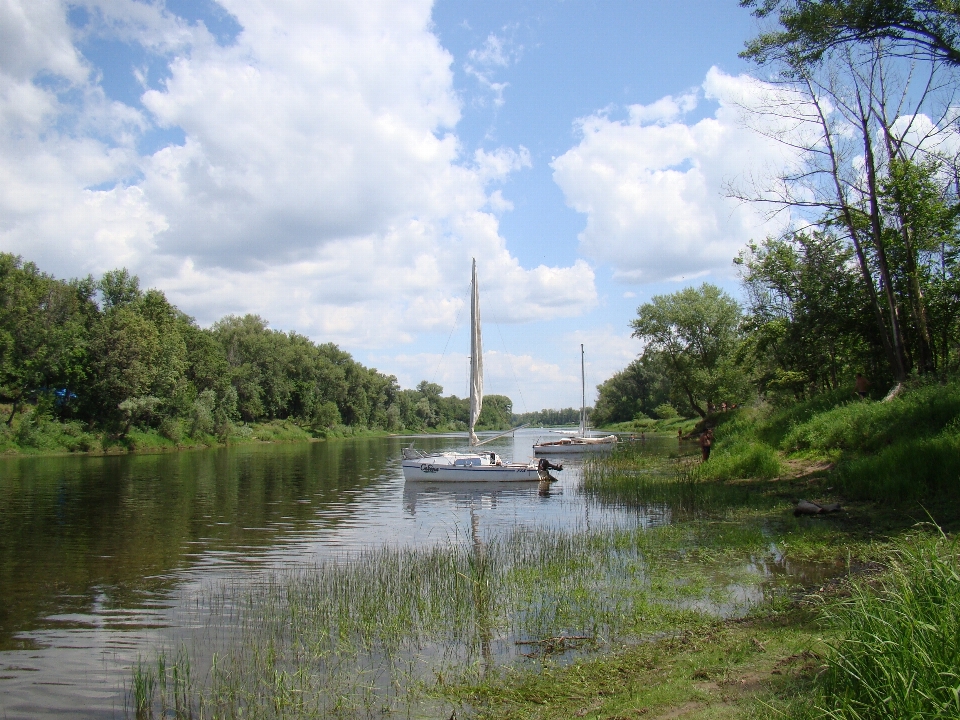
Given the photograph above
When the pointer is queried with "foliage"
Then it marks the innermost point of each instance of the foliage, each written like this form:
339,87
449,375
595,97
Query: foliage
697,332
809,28
808,323
639,389
566,416
137,371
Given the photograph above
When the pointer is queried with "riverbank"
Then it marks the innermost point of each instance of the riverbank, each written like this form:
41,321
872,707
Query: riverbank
877,639
46,437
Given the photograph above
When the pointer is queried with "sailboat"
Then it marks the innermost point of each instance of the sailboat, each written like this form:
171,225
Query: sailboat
476,465
581,442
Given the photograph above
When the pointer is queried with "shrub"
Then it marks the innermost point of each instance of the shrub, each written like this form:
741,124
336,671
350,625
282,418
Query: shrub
666,411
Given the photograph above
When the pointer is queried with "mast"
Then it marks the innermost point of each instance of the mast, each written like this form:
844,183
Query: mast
583,396
476,356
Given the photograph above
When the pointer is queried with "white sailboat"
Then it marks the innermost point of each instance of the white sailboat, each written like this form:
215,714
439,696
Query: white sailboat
581,442
477,465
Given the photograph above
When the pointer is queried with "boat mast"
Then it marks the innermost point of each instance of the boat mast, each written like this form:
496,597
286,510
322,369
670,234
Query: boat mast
583,396
476,356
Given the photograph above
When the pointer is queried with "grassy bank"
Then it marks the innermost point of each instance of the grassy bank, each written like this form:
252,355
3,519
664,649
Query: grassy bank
905,449
33,434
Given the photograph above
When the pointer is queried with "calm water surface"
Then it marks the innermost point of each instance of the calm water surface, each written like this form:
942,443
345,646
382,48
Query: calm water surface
99,555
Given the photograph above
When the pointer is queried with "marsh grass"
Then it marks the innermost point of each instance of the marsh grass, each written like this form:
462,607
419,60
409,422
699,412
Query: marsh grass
899,639
386,630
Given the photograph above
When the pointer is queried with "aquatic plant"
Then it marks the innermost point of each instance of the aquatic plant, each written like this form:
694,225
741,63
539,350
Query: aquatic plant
374,633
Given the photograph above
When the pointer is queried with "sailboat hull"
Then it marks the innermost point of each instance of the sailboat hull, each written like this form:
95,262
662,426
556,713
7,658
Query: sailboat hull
576,446
457,467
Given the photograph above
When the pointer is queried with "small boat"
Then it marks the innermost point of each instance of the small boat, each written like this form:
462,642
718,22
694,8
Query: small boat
475,465
580,443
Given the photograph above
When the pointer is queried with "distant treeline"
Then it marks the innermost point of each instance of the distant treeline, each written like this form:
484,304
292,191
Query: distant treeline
567,416
113,357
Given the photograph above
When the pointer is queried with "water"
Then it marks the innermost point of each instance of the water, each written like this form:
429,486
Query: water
101,557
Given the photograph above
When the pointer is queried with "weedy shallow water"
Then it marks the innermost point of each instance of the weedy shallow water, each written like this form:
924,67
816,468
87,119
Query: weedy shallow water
382,631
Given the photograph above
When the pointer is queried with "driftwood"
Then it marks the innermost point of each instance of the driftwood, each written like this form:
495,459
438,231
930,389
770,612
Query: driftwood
805,507
550,646
894,392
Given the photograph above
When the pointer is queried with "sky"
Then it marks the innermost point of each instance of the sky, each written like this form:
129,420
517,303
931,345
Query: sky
334,165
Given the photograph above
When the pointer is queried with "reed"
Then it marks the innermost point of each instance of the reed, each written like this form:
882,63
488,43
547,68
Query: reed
683,488
378,632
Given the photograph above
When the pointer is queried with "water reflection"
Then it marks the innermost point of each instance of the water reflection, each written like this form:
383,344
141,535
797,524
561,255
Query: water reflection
101,558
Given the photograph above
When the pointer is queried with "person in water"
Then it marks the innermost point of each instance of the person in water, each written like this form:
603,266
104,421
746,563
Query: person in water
706,440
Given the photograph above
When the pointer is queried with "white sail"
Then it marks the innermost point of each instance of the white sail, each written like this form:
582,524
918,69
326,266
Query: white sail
476,356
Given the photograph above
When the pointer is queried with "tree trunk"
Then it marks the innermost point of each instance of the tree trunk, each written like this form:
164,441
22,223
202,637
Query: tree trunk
876,235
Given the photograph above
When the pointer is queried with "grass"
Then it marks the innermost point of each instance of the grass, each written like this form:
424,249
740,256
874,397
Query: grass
899,639
393,629
904,449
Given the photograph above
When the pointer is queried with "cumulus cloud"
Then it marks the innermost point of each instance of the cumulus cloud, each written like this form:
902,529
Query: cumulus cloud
532,382
652,185
319,181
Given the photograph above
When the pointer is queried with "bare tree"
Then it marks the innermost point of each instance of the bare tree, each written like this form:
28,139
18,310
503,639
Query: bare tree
850,116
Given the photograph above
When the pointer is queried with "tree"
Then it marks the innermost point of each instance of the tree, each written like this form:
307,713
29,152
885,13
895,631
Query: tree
859,113
638,388
698,332
497,412
810,28
43,332
808,324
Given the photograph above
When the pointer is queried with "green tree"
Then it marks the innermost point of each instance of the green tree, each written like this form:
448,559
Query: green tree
698,332
496,414
637,389
810,28
43,332
808,324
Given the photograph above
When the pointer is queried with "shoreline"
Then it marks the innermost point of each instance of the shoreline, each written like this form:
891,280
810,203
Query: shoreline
281,432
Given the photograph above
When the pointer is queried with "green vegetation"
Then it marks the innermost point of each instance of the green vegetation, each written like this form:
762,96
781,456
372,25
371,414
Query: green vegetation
396,630
101,365
897,640
550,418
904,449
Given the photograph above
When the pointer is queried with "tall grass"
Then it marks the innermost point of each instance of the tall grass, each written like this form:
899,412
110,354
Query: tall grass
382,631
904,449
898,655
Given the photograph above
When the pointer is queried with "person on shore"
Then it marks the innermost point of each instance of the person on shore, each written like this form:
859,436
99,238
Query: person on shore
679,434
643,436
862,384
706,440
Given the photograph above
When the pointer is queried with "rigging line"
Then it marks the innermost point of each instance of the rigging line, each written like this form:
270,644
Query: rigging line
512,369
444,354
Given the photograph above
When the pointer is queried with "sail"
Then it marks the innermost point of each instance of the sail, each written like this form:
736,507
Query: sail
476,356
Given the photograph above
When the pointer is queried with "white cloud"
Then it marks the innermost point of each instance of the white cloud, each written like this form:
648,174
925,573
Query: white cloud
652,186
496,53
320,183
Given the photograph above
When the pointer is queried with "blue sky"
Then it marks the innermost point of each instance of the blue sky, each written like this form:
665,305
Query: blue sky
333,166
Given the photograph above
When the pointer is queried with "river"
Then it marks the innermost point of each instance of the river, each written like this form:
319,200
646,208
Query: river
100,555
